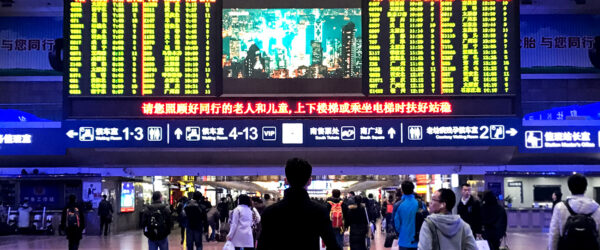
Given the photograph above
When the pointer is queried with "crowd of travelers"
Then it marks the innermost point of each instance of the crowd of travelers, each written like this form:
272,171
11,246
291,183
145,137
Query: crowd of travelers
406,220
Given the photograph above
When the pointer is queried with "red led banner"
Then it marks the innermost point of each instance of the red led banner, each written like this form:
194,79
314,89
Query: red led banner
300,108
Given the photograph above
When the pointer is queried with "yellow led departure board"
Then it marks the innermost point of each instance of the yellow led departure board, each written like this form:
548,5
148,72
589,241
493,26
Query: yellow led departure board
142,47
440,47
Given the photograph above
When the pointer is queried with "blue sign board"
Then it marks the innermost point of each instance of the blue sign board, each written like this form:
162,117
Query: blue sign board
293,133
43,193
560,139
54,138
31,138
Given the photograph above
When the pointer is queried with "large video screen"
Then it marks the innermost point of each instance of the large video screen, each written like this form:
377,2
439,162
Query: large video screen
292,48
292,43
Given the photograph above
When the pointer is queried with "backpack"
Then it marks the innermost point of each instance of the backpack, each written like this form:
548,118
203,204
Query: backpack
420,216
390,208
195,212
373,210
336,215
155,227
72,219
579,230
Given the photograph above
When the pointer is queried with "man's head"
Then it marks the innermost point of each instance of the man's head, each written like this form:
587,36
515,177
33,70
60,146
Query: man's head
244,200
267,197
336,193
72,199
197,196
442,201
156,196
407,187
298,172
104,197
370,196
557,195
466,191
351,193
577,184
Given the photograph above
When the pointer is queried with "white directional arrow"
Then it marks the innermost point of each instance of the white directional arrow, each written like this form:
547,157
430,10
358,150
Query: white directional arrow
512,132
391,132
71,134
178,133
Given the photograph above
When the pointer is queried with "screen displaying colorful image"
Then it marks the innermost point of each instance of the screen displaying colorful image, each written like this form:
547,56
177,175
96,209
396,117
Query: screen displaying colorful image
127,197
292,43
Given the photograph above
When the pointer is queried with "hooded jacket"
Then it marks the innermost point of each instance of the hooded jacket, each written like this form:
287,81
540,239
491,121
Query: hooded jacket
452,233
580,205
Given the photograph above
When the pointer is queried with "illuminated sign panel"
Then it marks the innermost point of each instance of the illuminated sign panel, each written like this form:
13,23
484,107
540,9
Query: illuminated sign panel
239,58
557,139
142,48
127,197
441,47
292,133
31,138
283,108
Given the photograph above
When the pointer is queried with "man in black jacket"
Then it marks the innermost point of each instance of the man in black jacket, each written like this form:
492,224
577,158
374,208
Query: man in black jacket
469,210
105,212
296,222
197,221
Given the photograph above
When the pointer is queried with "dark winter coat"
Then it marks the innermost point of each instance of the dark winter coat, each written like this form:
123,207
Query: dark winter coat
471,214
494,222
359,226
196,216
105,209
296,223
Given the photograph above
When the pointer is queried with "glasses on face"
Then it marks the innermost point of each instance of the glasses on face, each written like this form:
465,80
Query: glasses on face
436,200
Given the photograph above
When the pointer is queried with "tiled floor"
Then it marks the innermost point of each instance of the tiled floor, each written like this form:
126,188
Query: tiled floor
134,240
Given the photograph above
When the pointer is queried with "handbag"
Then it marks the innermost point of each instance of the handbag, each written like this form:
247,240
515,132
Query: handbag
482,245
395,245
389,240
228,246
504,243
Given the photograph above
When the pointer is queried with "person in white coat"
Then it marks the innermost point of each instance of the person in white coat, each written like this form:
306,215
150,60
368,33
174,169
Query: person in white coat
580,205
242,219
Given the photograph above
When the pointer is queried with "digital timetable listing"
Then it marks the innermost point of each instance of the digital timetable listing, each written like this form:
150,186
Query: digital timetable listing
441,47
201,47
142,48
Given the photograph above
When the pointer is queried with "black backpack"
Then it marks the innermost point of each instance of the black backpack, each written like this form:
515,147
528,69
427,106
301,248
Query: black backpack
72,219
420,216
195,212
580,231
374,209
155,227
